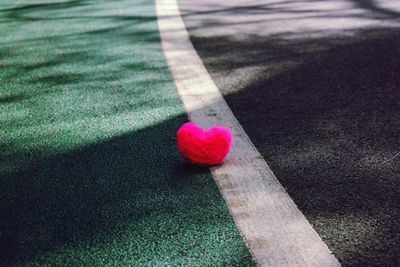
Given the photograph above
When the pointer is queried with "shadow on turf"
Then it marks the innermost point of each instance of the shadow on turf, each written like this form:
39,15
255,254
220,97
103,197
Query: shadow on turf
131,188
328,119
11,98
135,185
29,12
324,113
18,10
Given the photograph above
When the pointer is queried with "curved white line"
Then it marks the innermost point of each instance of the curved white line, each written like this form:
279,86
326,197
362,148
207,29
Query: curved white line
276,232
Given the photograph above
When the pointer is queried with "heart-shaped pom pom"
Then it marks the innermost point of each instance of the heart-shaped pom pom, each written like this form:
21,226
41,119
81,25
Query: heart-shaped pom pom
202,147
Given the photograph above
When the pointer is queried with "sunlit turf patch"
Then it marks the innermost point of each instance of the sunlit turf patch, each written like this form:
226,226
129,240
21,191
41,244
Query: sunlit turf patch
90,172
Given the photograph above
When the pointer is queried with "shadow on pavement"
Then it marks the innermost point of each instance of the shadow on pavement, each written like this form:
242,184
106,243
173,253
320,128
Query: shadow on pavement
323,109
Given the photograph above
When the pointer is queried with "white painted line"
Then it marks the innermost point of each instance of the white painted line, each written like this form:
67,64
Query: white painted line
275,231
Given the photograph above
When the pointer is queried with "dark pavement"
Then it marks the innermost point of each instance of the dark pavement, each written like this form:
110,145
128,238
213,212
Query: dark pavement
316,86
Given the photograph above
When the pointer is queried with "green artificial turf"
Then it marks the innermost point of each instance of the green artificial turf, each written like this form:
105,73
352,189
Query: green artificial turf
89,170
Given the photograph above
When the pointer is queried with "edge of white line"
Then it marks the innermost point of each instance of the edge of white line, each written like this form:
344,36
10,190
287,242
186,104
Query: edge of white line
274,229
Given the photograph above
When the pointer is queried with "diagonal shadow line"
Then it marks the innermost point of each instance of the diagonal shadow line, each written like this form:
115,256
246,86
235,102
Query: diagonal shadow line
135,186
372,6
324,124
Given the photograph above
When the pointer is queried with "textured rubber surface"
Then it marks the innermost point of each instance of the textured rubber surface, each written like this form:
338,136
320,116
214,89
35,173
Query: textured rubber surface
89,170
315,84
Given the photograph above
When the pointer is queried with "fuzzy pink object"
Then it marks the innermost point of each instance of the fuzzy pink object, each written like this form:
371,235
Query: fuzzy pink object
202,147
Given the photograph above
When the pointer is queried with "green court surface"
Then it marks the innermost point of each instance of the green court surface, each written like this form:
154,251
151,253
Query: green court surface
90,173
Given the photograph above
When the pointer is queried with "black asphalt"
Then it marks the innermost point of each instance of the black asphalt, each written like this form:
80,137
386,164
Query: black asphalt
316,85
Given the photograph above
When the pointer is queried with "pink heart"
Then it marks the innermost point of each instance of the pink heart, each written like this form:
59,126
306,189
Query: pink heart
202,147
